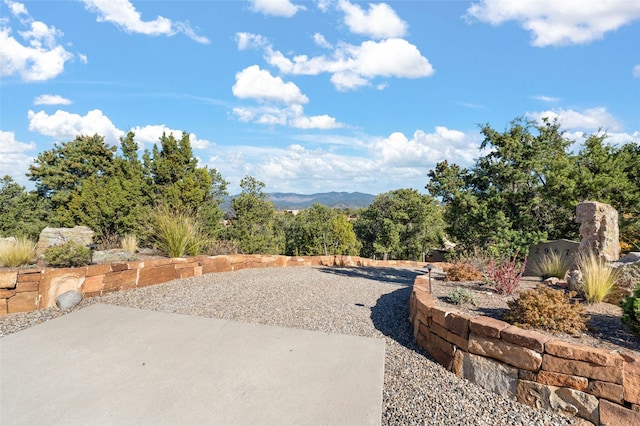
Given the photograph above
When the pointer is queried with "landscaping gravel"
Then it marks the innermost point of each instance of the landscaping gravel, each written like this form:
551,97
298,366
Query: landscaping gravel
369,302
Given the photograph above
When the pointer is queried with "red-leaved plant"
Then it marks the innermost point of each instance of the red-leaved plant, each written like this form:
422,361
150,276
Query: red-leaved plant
506,274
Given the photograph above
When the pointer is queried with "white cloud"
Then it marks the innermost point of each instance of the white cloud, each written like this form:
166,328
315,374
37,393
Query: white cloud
427,148
40,58
282,8
51,100
546,98
14,157
124,15
250,41
320,41
378,164
83,58
254,83
150,134
590,119
380,21
64,125
636,71
354,66
292,116
554,23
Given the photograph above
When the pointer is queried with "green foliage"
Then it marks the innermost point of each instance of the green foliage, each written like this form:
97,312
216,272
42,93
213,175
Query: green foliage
21,213
59,172
67,255
527,185
547,309
462,272
552,265
16,253
631,310
400,224
253,224
177,233
461,296
598,278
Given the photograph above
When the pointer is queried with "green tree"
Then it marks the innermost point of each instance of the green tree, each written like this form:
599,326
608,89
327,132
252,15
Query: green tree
21,213
400,224
174,174
253,225
59,172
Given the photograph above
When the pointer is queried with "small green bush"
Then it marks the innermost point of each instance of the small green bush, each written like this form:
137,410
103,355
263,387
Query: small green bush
552,265
631,310
462,272
461,296
16,253
597,276
67,255
547,309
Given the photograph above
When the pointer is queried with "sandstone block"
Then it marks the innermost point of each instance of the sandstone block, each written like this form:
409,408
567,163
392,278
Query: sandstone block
488,327
8,279
3,307
115,267
120,280
459,341
157,275
81,235
98,270
583,353
458,360
493,376
615,415
23,302
27,286
581,368
563,380
599,229
565,401
525,338
458,323
530,376
607,390
29,275
508,353
439,314
438,329
631,383
54,282
216,264
161,261
5,294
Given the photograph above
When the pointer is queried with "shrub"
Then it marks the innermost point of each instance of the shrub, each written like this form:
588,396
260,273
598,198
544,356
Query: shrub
20,252
178,233
547,309
67,255
598,278
475,256
221,247
552,265
461,296
506,274
129,243
631,310
462,272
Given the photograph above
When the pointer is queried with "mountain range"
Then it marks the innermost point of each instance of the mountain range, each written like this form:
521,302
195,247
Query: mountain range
292,201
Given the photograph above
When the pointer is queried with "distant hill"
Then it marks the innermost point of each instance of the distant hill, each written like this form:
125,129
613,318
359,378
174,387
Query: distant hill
292,201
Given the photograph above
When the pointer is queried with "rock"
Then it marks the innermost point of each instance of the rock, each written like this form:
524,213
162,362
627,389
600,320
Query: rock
560,400
551,280
509,353
494,376
613,414
81,235
599,229
68,300
574,280
116,255
11,240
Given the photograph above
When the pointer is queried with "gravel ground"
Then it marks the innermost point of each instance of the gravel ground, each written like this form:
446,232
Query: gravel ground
369,302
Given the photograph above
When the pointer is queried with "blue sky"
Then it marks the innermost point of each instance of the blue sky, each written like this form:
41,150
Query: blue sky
314,96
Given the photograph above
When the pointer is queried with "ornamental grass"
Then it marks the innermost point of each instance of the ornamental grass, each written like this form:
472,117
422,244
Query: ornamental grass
16,253
598,278
552,265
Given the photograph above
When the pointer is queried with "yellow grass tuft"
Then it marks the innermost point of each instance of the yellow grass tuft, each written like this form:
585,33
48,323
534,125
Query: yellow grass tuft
597,276
129,243
17,253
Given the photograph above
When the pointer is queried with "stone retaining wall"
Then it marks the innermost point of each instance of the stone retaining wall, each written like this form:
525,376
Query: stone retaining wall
600,386
26,290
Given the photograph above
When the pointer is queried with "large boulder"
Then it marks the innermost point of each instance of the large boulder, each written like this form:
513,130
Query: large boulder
49,237
599,229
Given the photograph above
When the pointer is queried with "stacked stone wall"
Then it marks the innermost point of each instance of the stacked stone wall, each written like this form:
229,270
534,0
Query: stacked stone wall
26,290
597,385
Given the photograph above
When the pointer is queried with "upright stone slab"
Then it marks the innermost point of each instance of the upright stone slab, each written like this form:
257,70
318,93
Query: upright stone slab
563,248
599,229
81,235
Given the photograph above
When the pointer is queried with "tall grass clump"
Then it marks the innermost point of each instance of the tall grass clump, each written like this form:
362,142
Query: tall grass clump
552,265
129,243
178,233
20,252
598,278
